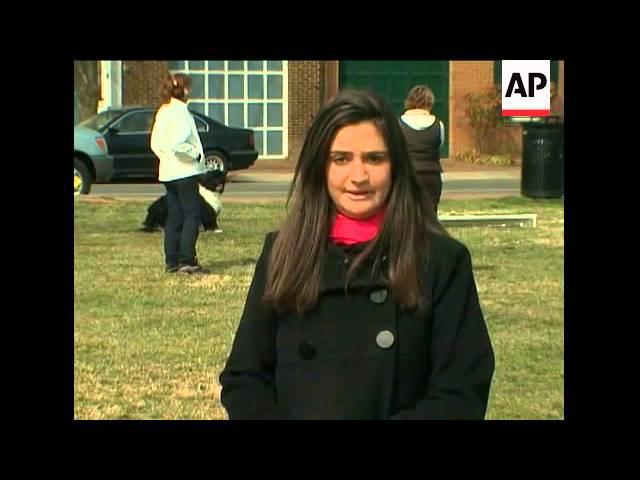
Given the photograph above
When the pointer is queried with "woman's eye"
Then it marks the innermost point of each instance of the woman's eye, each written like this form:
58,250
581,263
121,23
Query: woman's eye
339,159
377,159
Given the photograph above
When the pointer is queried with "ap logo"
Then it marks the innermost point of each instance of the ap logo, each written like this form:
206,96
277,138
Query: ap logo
526,88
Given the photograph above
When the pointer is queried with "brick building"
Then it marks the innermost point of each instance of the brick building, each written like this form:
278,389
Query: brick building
278,98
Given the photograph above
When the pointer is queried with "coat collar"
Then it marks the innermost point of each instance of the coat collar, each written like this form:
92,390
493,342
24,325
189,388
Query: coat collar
336,265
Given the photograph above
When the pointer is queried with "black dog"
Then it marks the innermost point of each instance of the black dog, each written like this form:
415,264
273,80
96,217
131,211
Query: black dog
212,182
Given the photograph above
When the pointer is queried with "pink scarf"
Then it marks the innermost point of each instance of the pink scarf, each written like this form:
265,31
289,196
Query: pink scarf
349,231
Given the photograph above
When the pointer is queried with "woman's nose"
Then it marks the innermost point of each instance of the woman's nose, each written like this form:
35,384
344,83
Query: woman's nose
359,172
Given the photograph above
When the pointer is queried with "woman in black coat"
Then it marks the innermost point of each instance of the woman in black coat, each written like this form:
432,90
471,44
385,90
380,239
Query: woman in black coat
424,134
361,306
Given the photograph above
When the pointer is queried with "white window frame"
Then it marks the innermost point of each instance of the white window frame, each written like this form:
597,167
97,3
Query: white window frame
226,101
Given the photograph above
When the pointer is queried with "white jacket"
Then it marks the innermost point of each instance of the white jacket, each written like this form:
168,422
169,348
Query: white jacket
176,142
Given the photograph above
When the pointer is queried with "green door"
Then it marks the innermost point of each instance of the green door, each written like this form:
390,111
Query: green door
393,79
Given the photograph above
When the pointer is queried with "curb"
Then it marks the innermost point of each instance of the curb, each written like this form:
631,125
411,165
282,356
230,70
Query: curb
446,176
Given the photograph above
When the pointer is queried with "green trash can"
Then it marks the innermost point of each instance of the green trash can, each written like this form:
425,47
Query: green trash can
542,158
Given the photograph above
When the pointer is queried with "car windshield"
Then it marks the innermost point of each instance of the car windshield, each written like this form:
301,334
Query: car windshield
97,122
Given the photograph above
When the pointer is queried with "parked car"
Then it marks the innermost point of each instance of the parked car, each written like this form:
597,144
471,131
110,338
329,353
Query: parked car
91,159
122,137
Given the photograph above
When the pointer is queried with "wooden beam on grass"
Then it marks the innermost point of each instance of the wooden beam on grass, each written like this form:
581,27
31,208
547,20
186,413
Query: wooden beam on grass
527,220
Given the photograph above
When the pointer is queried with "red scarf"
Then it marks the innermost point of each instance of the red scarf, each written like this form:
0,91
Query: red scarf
349,231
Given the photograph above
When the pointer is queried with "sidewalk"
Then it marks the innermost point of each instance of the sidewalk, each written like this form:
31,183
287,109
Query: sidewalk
280,171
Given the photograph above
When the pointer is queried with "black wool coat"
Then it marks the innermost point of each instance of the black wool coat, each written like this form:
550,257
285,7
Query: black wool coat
358,355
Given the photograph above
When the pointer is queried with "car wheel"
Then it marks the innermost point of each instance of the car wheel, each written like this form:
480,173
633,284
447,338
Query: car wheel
216,161
81,178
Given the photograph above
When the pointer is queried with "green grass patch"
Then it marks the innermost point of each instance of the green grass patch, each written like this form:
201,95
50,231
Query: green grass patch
150,345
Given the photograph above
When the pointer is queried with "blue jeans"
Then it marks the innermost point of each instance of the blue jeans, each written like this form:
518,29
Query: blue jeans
183,222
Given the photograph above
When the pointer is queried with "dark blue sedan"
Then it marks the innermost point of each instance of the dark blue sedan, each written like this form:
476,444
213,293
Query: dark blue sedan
127,133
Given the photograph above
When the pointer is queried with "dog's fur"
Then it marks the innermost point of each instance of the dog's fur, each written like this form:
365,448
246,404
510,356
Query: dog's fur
213,180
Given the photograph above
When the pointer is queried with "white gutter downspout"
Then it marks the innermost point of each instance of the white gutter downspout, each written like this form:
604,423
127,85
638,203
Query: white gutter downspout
110,85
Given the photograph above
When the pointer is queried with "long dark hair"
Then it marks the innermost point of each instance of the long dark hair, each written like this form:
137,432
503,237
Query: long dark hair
297,258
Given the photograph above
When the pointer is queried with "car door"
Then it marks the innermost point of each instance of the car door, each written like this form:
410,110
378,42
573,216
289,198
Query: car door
128,141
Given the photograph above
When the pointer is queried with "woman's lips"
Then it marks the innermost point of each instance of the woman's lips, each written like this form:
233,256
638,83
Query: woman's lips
359,195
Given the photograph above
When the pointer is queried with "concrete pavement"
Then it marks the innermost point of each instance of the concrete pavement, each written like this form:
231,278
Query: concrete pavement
262,177
256,176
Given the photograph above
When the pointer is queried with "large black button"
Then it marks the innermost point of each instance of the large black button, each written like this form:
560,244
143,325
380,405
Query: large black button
378,296
307,350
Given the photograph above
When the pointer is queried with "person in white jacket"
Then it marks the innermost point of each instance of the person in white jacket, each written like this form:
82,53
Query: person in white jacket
175,141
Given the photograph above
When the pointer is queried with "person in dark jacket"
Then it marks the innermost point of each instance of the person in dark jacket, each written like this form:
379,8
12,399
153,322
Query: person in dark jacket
424,134
361,305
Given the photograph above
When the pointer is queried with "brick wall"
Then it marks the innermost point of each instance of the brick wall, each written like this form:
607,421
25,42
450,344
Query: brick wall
560,89
465,77
472,77
141,82
304,101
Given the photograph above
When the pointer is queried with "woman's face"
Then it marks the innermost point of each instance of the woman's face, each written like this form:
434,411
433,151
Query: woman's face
359,170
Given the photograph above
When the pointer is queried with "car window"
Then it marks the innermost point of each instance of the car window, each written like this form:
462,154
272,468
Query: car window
135,122
99,120
200,125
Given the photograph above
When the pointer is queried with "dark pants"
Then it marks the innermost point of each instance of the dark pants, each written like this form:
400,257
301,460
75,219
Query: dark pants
183,222
432,183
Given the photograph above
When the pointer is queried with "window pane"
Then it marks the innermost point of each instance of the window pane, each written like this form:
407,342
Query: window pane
200,125
274,115
236,115
135,122
257,134
216,111
274,143
216,64
176,65
256,89
146,121
236,86
255,64
197,86
216,86
274,86
196,64
196,107
274,65
236,64
255,115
